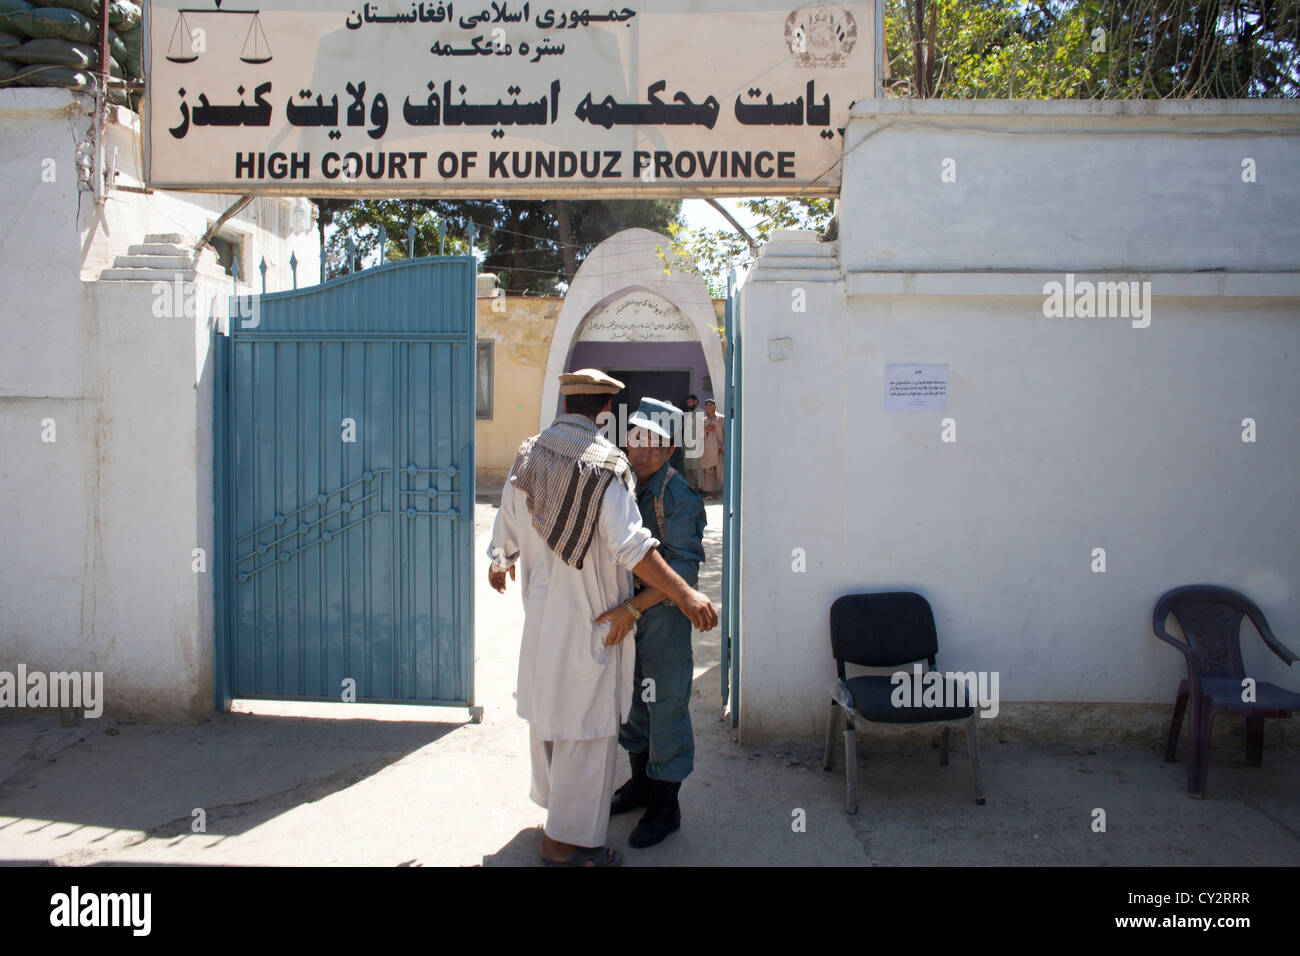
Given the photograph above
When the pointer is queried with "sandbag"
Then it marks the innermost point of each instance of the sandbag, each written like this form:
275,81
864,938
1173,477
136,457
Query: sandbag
116,48
8,9
132,18
76,56
58,52
134,67
121,13
42,74
7,70
132,39
54,22
59,23
9,42
58,71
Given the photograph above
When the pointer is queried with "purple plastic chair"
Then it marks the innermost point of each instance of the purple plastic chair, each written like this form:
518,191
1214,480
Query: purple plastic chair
1210,617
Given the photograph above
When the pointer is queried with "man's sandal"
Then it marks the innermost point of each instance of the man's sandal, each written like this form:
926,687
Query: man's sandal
599,856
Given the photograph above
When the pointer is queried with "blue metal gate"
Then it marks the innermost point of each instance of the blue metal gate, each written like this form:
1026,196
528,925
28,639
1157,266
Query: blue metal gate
730,664
345,489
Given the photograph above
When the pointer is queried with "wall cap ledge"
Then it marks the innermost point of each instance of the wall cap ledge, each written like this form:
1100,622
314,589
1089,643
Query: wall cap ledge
1211,284
1189,114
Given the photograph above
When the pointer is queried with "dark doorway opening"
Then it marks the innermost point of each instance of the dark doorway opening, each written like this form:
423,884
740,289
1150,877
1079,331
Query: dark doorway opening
669,385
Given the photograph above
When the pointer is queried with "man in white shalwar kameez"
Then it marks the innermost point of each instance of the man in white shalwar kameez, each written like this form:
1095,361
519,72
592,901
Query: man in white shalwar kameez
569,517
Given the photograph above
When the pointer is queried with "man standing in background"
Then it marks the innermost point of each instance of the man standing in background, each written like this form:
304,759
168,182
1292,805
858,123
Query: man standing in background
711,461
693,441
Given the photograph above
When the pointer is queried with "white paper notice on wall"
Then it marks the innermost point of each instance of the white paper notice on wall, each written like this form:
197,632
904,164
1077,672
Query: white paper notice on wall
916,388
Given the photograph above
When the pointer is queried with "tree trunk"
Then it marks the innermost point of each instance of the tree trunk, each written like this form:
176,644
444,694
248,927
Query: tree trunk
931,56
924,39
567,249
918,47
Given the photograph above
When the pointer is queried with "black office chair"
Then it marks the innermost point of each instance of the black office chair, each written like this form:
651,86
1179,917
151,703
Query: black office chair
891,629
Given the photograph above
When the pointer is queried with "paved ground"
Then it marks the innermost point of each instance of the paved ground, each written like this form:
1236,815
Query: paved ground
389,790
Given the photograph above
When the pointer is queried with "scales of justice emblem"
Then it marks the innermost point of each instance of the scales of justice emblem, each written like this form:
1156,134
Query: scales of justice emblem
182,48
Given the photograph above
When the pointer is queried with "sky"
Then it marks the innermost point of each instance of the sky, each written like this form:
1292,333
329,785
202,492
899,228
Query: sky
700,215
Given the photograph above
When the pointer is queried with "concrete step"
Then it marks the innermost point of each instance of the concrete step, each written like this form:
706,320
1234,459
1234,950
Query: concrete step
118,274
804,250
797,262
159,249
794,275
175,263
168,238
120,270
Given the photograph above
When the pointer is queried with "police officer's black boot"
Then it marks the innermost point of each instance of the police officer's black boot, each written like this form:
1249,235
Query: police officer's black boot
636,792
662,818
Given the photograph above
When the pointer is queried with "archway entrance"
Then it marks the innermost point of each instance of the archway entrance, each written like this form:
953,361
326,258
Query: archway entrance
629,312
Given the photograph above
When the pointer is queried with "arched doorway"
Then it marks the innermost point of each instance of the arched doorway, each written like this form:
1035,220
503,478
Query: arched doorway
656,330
643,340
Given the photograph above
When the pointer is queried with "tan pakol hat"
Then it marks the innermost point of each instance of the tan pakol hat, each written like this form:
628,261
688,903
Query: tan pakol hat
589,381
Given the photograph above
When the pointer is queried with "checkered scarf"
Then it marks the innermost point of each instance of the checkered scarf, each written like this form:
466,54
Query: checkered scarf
565,471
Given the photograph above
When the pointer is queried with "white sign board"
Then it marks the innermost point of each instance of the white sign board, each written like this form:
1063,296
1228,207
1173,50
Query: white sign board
916,388
503,99
638,317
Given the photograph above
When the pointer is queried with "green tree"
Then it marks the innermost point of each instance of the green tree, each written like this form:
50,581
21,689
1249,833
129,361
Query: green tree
714,253
535,246
1092,49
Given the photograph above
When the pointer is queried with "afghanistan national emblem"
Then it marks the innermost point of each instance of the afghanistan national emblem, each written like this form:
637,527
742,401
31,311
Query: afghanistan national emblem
821,36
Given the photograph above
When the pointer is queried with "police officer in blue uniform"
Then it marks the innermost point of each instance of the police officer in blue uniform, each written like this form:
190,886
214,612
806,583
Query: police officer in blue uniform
658,735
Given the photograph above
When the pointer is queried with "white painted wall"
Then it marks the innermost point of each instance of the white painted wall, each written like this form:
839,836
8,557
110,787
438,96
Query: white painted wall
99,526
1093,185
1072,433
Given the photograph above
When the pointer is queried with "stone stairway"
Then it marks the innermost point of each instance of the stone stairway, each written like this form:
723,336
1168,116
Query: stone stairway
797,256
164,257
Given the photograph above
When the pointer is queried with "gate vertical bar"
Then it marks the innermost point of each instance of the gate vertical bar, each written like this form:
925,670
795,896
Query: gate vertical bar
728,398
401,610
733,452
468,476
221,558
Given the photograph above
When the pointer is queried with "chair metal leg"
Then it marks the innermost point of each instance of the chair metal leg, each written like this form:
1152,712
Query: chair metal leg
832,726
973,750
1176,725
851,770
1254,741
944,745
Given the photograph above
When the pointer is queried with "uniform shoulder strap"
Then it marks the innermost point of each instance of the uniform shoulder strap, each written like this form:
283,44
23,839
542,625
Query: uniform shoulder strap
659,498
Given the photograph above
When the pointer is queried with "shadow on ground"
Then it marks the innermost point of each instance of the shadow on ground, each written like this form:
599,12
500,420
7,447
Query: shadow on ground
241,769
